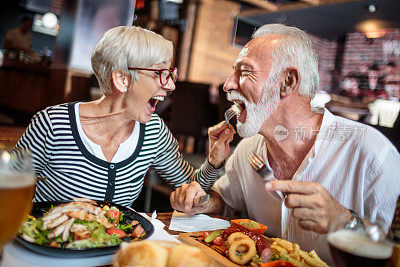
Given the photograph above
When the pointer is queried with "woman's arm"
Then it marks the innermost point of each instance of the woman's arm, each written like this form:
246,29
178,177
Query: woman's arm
170,164
36,138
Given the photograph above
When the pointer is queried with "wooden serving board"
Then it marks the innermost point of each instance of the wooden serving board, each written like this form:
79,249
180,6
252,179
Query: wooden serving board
211,250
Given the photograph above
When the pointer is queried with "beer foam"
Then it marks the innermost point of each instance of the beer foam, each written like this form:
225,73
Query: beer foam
15,180
360,245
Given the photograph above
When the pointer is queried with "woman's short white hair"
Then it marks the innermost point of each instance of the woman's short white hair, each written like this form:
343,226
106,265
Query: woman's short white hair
128,46
294,50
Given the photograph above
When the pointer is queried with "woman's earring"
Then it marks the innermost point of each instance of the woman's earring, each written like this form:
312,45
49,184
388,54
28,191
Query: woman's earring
124,90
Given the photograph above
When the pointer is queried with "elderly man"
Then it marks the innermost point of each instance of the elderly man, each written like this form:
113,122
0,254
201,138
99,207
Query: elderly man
329,167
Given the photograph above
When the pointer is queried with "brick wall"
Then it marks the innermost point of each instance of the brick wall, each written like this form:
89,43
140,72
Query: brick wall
359,51
326,51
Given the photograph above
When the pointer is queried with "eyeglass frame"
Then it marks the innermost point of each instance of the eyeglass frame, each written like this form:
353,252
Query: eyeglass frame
170,70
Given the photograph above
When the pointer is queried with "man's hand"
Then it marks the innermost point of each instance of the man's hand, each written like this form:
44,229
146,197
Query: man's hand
182,200
312,205
219,137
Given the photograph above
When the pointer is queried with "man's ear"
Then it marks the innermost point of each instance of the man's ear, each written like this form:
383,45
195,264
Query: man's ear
120,80
289,81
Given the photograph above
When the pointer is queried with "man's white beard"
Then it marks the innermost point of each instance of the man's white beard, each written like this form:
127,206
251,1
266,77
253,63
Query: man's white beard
258,112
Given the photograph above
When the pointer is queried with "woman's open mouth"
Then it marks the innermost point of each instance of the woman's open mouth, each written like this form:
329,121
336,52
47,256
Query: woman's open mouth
153,102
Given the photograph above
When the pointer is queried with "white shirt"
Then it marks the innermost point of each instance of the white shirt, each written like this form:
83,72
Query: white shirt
18,38
125,149
357,165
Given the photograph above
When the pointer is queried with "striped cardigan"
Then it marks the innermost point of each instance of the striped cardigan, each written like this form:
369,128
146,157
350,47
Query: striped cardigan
71,171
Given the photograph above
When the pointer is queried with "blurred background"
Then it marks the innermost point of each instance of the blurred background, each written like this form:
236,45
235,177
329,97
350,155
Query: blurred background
358,43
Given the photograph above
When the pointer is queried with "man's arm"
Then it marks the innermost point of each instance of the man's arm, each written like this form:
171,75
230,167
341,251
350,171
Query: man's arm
182,200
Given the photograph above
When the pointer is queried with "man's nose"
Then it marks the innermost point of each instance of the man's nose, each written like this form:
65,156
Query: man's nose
231,83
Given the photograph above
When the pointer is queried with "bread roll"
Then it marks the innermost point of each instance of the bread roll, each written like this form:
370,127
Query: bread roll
142,253
188,256
160,254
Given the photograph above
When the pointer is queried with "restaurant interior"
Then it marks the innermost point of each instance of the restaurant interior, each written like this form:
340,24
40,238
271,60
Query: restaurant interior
358,44
357,41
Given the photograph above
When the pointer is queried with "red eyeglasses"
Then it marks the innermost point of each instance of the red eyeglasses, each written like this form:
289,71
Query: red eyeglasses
164,74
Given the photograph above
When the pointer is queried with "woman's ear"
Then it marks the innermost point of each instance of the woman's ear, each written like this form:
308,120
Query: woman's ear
120,80
289,82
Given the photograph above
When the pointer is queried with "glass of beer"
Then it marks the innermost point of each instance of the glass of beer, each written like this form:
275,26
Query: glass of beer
17,184
364,245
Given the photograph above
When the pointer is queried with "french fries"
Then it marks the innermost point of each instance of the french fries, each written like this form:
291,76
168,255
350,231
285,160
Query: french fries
295,255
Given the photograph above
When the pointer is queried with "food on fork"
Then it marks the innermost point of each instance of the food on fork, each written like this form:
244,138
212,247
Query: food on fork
80,224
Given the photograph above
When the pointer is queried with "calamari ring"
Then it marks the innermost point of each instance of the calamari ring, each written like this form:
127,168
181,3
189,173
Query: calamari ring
237,236
246,257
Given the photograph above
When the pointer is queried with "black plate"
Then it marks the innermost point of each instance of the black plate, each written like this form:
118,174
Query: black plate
41,207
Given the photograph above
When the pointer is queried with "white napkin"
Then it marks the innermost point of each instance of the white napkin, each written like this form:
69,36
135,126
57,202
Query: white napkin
193,223
159,232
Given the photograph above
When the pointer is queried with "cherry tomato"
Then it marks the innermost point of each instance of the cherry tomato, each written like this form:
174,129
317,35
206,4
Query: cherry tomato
218,241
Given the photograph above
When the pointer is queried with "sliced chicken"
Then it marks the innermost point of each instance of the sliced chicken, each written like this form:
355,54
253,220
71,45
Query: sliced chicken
55,222
57,231
51,216
78,206
78,227
81,199
86,216
65,233
28,238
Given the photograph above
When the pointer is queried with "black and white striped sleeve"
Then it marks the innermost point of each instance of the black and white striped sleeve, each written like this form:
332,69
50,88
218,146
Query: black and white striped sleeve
171,165
36,139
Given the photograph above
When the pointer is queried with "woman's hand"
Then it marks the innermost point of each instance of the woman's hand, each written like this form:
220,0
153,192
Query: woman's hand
219,137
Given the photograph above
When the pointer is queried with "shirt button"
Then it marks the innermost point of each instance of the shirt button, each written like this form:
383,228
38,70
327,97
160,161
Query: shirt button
112,166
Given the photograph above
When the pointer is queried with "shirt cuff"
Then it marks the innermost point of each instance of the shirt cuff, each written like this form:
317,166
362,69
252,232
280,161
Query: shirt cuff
209,165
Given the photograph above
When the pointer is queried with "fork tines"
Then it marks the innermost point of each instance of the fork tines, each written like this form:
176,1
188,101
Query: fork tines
229,114
259,165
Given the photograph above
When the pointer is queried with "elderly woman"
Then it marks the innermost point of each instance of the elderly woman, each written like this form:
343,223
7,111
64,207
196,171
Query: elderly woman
102,149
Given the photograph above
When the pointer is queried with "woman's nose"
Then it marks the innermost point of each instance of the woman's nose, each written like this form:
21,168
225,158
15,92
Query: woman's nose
170,86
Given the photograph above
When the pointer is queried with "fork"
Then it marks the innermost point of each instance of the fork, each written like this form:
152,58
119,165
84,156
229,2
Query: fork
264,171
197,201
230,113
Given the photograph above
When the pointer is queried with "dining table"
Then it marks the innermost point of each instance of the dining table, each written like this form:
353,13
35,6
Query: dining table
14,254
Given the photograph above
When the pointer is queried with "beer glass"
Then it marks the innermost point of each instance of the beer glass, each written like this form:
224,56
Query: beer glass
17,184
359,243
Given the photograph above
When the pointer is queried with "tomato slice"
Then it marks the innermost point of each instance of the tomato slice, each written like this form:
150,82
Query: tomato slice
218,241
116,214
118,232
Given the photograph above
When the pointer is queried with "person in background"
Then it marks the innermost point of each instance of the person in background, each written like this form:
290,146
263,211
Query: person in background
372,86
102,149
330,168
350,85
392,81
20,38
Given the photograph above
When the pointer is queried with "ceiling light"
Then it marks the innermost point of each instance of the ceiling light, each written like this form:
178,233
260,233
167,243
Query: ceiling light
49,20
371,8
372,28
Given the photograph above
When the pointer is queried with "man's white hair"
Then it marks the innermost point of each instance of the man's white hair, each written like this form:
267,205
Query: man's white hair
294,50
128,46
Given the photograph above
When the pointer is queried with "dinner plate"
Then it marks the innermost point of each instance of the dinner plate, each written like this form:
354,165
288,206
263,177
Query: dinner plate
40,208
